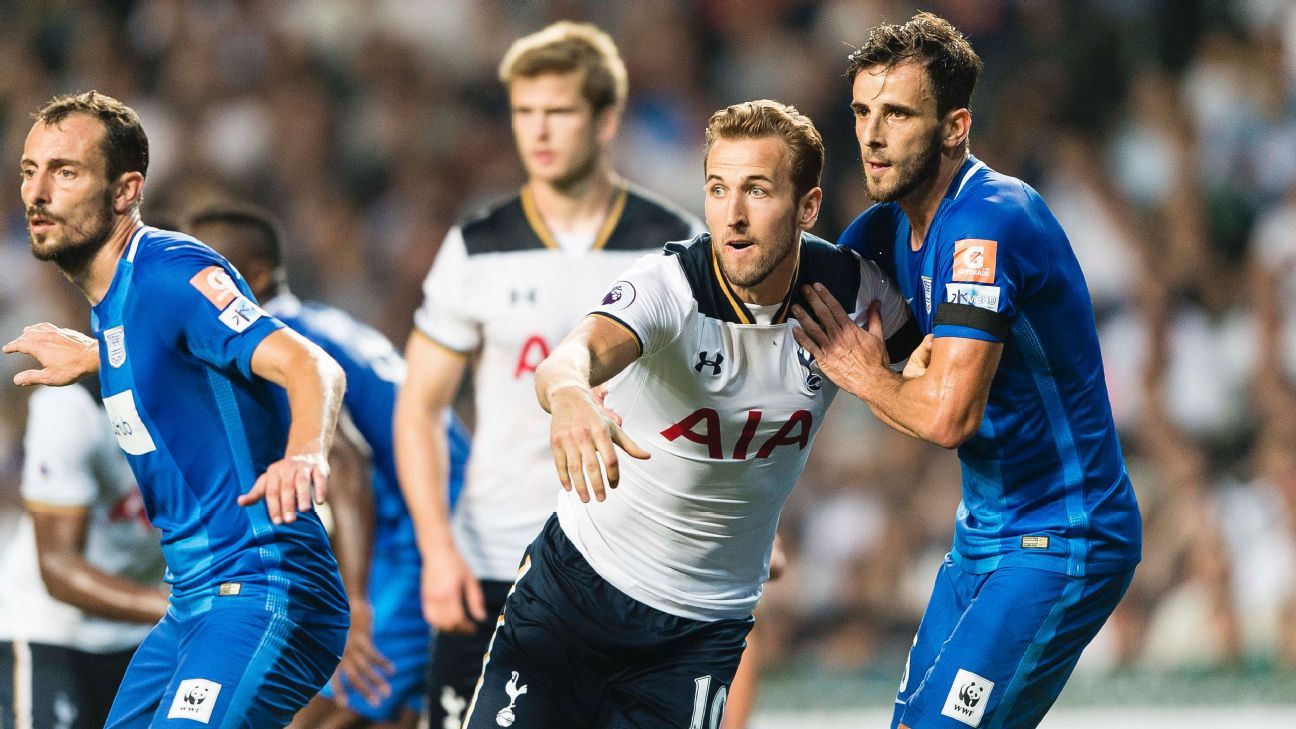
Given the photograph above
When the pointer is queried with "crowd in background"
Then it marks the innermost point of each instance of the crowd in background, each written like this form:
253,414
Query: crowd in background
1161,134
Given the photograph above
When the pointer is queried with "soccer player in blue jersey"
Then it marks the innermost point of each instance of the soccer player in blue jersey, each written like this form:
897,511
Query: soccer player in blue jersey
381,679
1048,532
188,367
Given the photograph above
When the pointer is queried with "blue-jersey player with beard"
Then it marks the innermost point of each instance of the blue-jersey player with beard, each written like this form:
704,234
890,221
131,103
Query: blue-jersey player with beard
189,367
1048,532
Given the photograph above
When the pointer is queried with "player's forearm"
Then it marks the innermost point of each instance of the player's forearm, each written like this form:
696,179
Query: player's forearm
315,386
422,463
70,579
923,407
568,367
352,505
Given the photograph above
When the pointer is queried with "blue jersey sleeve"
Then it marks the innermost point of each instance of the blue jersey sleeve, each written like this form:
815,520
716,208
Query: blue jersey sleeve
983,266
202,306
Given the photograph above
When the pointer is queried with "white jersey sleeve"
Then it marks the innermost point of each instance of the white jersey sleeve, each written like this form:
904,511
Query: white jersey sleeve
650,300
445,315
875,286
65,429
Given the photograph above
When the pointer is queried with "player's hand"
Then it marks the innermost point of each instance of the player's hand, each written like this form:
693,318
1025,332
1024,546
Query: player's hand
286,486
362,665
65,355
600,394
916,366
452,597
843,350
580,434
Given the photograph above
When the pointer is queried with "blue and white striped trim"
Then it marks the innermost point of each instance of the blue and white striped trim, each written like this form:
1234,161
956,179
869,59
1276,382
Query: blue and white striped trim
133,246
968,175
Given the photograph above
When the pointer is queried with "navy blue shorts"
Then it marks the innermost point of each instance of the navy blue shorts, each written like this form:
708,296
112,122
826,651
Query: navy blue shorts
236,664
571,650
994,650
457,661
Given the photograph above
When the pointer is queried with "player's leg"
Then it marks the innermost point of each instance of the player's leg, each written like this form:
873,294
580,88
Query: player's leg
457,662
402,636
681,675
98,677
146,678
40,687
1006,660
241,665
950,595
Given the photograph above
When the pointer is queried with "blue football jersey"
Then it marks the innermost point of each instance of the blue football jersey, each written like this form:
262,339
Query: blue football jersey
176,331
374,371
1044,480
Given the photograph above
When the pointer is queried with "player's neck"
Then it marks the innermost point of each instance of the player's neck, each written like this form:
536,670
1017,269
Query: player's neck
95,278
920,206
577,207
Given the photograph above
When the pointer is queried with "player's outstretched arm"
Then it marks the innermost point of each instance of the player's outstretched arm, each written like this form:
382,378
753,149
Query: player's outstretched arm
65,355
315,384
68,577
943,405
452,595
582,431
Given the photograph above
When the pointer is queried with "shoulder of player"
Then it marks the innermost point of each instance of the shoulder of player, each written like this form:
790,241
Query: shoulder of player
834,266
499,227
872,231
647,221
158,252
995,207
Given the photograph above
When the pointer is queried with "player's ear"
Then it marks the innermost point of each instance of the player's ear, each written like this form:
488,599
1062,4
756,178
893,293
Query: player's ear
808,208
957,127
608,122
127,192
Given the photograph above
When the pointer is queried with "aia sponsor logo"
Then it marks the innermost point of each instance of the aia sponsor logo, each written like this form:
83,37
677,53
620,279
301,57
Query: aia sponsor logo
702,426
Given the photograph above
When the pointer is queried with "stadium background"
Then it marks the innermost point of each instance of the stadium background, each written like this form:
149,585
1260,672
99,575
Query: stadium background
1161,133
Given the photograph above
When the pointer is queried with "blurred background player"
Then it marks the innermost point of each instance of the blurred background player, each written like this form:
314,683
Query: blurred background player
1048,530
257,616
82,575
382,677
506,286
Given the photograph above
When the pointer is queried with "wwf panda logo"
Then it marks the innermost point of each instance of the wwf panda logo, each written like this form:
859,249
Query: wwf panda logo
970,693
197,695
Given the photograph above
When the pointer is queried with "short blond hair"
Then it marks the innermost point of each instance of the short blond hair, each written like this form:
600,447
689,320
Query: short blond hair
567,47
765,118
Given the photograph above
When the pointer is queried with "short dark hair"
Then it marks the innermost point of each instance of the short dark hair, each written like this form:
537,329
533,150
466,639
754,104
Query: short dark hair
125,145
765,118
951,64
266,242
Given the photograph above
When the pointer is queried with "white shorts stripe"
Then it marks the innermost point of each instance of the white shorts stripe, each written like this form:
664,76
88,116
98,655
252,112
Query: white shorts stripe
22,683
526,567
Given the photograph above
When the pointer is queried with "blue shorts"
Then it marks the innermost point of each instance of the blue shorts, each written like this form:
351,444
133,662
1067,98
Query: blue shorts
995,649
236,664
400,634
571,650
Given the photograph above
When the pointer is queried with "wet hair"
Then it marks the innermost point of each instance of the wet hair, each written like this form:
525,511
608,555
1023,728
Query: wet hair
567,47
951,64
765,118
125,146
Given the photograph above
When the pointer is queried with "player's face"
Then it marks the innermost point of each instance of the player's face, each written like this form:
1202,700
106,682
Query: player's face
897,128
752,210
65,190
559,137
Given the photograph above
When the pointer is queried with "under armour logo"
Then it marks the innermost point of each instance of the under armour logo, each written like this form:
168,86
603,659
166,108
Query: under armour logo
518,295
714,364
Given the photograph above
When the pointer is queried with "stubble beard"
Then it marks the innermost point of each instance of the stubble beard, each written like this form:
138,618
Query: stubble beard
768,258
78,244
909,176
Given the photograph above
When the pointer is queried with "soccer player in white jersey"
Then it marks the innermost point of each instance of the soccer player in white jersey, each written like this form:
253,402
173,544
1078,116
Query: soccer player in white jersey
506,286
82,574
632,606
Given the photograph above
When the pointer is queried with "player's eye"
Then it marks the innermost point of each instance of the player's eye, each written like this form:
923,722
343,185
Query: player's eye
717,191
758,192
27,172
66,173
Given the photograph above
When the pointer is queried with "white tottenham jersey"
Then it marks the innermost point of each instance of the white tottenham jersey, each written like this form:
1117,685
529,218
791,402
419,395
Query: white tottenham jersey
71,461
501,288
728,409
